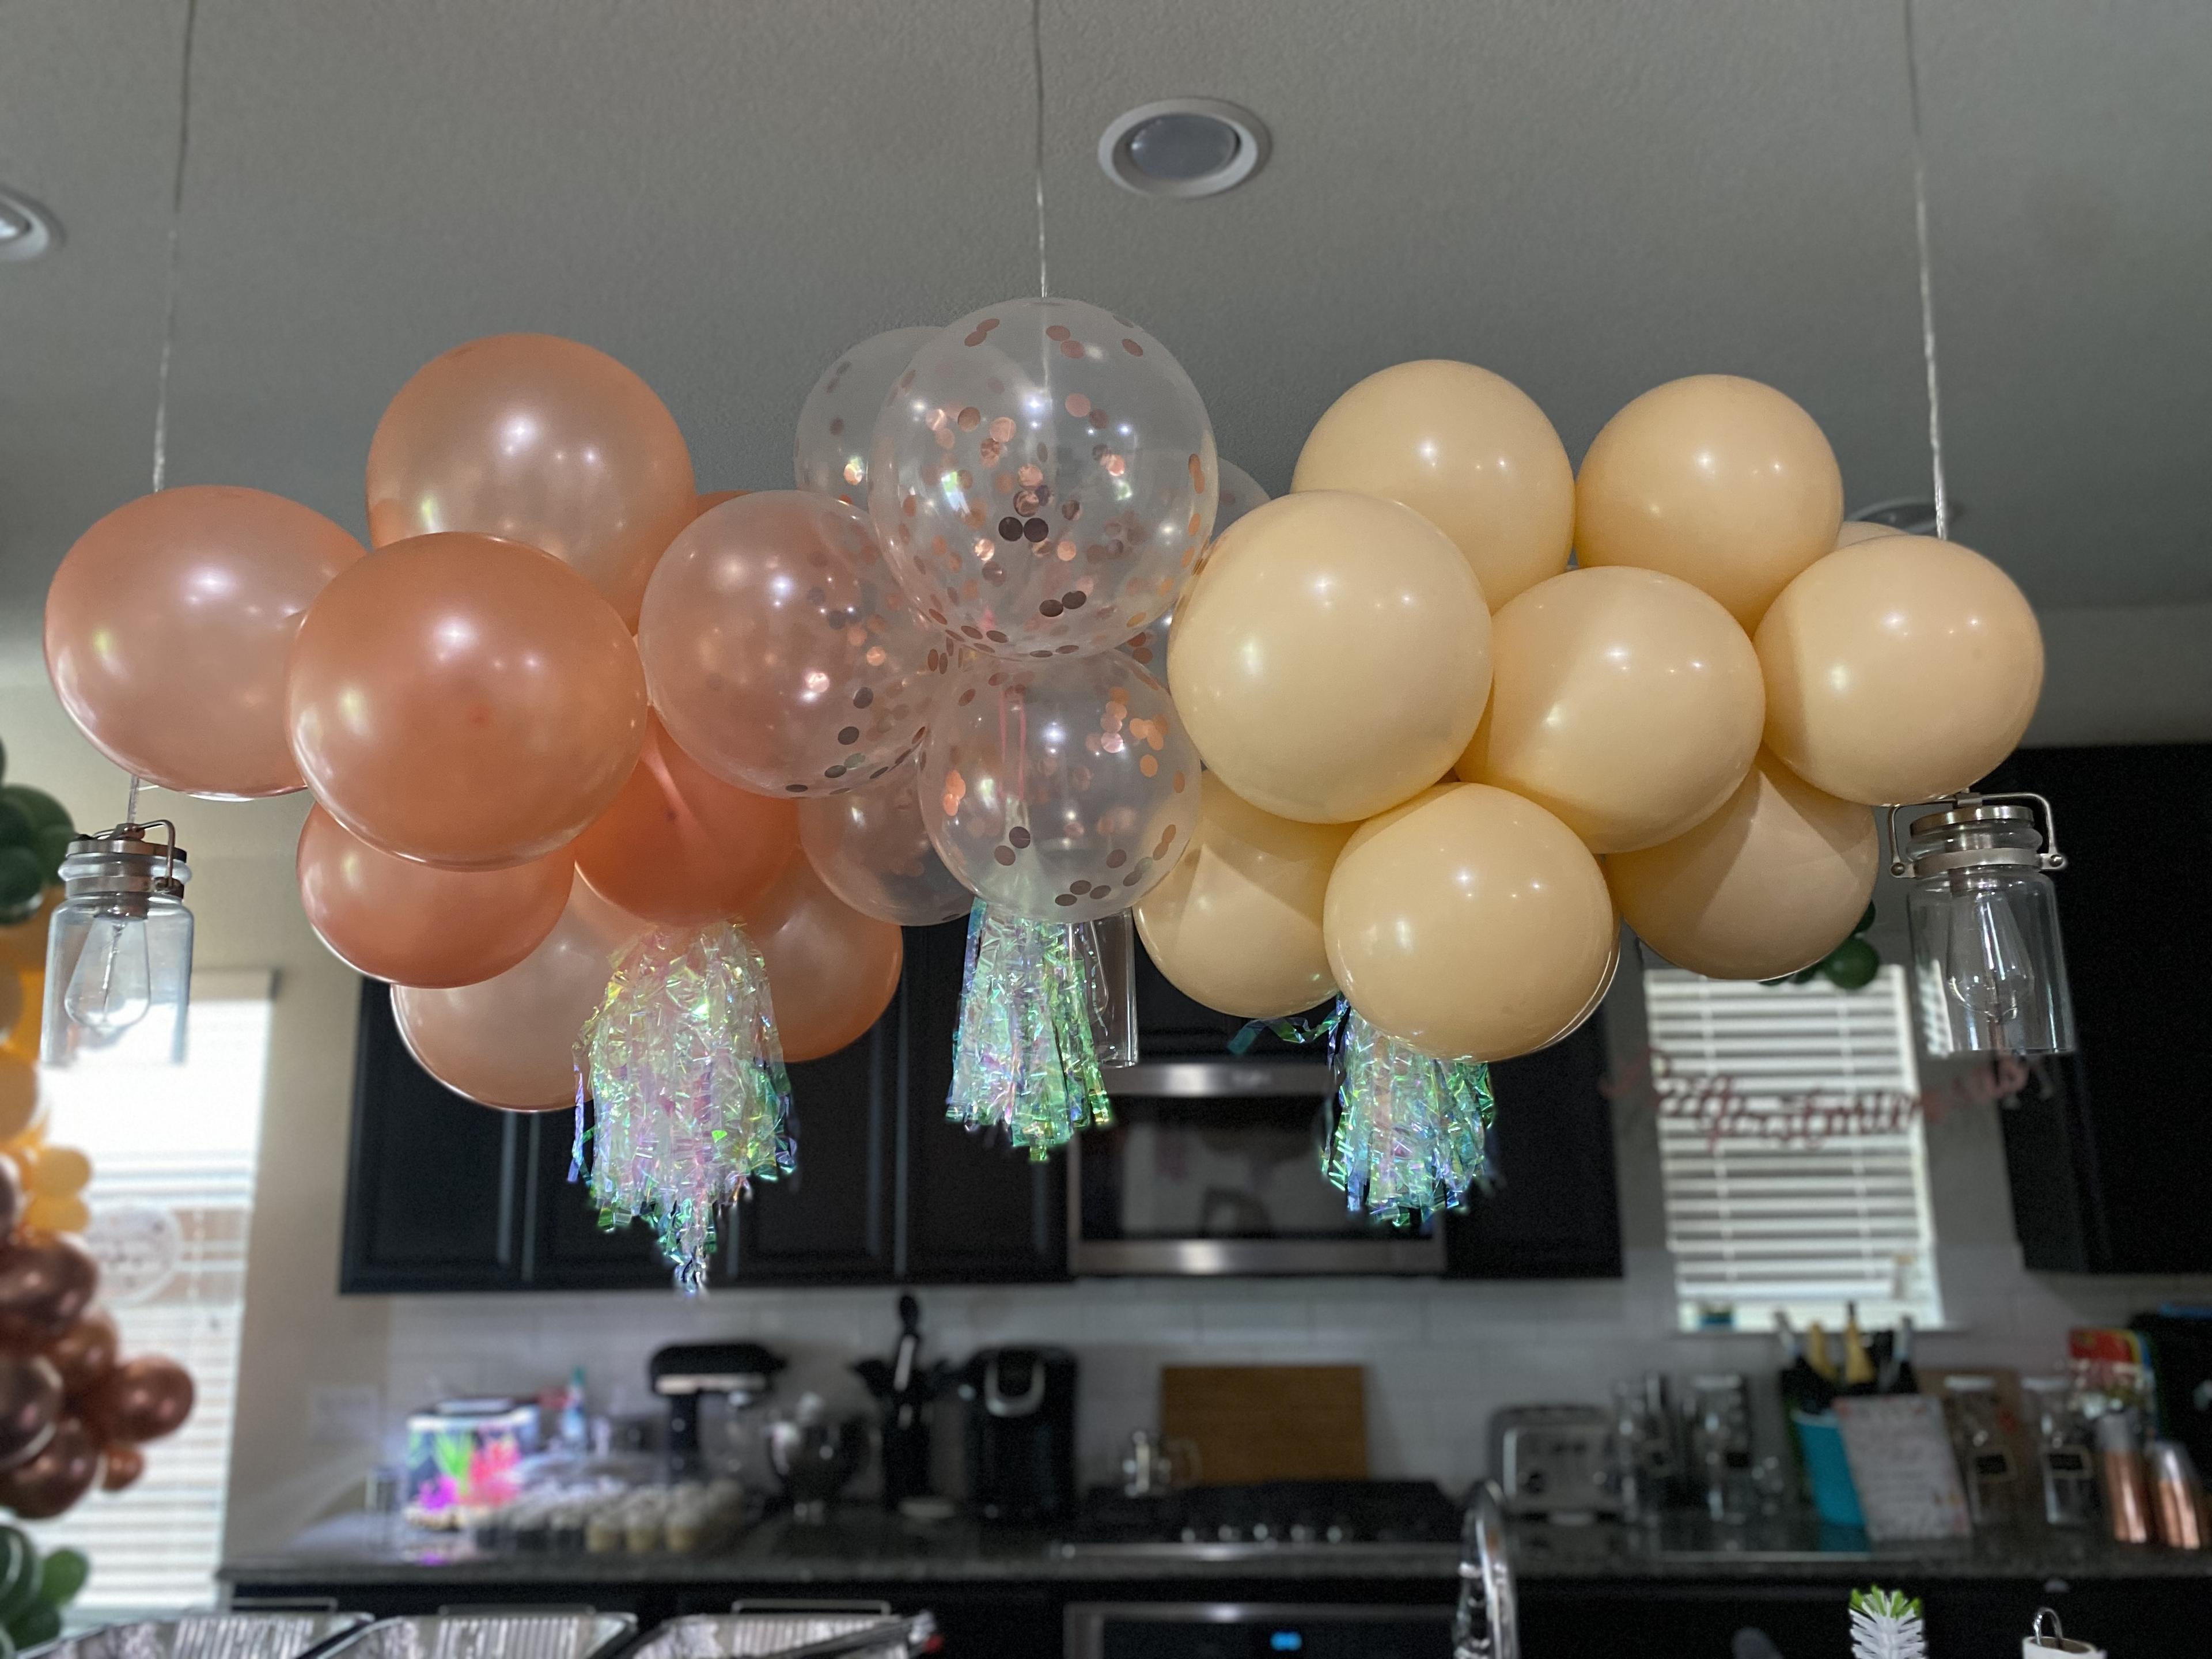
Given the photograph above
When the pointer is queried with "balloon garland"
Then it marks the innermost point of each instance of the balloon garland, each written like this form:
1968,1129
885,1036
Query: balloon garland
1441,718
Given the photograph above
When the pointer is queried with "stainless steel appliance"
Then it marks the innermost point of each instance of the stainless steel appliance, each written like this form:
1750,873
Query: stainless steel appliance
1254,1630
1555,1461
687,1373
1211,1168
1237,1522
1021,1433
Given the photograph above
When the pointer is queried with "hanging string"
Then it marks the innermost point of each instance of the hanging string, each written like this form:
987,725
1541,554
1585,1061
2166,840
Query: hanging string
1927,280
1036,64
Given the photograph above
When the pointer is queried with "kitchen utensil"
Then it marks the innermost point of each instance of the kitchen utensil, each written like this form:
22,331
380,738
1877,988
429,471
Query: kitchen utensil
1252,1423
904,1388
1021,1433
1720,1443
814,1457
1556,1461
2177,1496
2046,1637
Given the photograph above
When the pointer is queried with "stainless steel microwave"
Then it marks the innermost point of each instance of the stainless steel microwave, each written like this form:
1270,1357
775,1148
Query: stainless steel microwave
1214,1166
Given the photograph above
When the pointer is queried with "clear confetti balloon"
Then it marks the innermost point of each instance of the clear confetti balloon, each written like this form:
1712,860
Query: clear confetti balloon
872,850
838,423
1239,496
1061,792
1043,478
778,650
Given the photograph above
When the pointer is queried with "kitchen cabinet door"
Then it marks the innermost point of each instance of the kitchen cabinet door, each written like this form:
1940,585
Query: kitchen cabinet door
830,1220
1554,1212
434,1184
971,1208
569,1250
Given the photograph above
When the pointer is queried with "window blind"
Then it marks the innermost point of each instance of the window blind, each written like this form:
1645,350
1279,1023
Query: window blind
1791,1157
172,1153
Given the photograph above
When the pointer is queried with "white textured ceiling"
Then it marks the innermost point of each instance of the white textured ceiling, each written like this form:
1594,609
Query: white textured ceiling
1587,196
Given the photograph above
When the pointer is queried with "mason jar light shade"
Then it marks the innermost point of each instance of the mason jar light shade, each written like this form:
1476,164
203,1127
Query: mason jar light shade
1989,968
119,954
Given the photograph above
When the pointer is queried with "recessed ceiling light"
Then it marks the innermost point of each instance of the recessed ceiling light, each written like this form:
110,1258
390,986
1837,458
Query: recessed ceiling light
1183,147
27,230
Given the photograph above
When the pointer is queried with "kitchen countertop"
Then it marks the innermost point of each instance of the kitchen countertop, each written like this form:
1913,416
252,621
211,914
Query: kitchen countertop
863,1545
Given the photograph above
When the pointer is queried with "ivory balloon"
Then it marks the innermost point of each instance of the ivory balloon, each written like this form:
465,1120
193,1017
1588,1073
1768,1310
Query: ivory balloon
831,971
872,848
1334,656
783,655
1855,531
535,440
1722,482
465,702
509,1041
838,423
1466,449
679,845
415,924
168,627
1765,886
1468,922
1899,670
1236,925
1625,702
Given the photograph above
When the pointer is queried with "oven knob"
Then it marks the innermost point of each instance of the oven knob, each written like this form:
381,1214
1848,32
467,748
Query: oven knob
1336,1534
1226,1532
1301,1533
1262,1532
1190,1534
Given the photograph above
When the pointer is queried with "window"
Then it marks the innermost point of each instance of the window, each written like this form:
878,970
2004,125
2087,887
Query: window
1791,1150
173,1156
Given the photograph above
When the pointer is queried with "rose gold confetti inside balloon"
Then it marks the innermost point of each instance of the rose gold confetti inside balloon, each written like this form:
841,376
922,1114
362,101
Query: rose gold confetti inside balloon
1043,479
838,423
779,651
1062,792
1239,496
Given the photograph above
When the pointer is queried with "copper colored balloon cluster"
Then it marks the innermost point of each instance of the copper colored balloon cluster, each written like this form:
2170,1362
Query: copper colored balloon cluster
73,1414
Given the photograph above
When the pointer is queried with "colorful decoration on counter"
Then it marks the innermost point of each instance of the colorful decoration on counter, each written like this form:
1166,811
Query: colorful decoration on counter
1410,1134
35,1589
1025,1057
1887,1624
690,1102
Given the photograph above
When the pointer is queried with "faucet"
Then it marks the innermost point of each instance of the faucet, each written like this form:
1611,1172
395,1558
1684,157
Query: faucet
1484,1626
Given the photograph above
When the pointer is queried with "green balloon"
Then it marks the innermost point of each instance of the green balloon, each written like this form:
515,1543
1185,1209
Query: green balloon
52,843
38,1624
16,829
1865,921
1852,965
21,877
36,805
63,1576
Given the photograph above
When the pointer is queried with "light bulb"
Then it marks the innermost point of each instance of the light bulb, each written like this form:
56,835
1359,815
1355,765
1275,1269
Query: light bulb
111,988
1986,962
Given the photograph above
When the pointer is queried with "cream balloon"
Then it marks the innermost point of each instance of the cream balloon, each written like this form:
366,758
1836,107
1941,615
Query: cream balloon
1334,657
1466,449
1596,1001
1767,885
1899,670
1855,531
1237,926
1722,482
1626,702
1468,922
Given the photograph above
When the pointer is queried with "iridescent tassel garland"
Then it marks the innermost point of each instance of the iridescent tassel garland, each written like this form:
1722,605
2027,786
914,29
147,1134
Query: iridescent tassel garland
1411,1133
1026,1056
690,1100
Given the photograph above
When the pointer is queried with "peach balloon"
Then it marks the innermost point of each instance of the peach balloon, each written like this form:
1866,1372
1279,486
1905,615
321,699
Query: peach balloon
1722,482
465,702
1770,884
1466,449
1469,922
537,439
1625,702
679,845
1899,670
783,655
415,924
1855,531
831,971
1236,925
1333,656
168,629
510,1041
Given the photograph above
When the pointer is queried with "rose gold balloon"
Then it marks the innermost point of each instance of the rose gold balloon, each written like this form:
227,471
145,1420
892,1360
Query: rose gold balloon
510,1041
47,1282
537,440
1625,702
465,702
416,923
142,1399
831,971
1722,482
124,1464
85,1354
62,1472
1466,449
167,627
1770,884
30,1405
678,845
782,653
1899,670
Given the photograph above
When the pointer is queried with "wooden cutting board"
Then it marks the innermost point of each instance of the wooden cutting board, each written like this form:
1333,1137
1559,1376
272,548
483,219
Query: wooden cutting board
1267,1422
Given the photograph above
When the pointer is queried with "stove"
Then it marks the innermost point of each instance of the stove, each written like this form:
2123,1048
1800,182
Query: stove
1229,1523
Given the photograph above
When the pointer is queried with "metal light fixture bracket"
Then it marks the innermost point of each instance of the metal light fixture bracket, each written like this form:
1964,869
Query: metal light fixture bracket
1970,826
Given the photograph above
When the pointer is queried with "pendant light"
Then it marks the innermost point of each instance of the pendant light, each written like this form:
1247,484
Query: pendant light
119,951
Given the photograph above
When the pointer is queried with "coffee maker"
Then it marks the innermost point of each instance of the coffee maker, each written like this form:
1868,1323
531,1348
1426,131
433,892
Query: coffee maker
1020,1409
